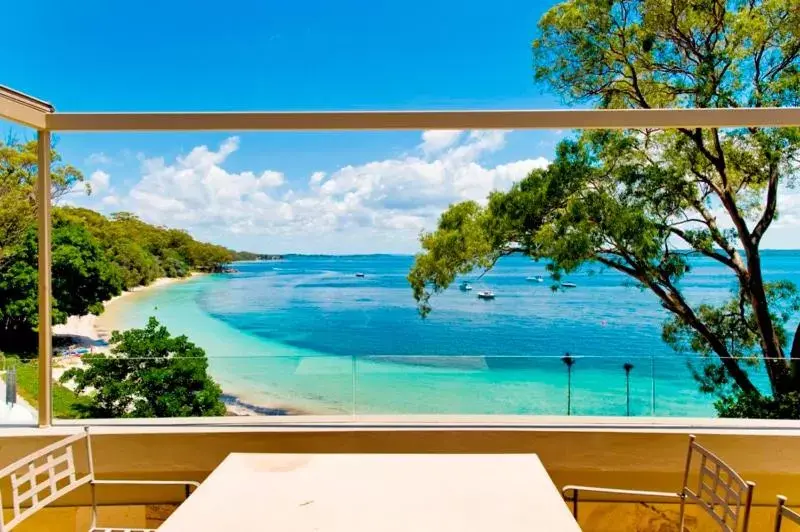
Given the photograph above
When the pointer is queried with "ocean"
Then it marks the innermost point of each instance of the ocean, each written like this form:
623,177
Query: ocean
307,334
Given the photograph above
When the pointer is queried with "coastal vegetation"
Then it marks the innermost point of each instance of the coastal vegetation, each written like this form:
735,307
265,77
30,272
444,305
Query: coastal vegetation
641,202
95,256
149,373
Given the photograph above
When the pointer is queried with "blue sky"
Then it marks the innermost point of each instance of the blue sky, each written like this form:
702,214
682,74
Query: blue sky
286,192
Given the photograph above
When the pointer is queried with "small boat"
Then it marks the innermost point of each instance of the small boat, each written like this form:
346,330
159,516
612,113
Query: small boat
465,287
569,285
359,274
535,278
485,294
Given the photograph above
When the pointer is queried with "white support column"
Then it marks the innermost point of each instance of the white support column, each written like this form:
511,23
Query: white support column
45,290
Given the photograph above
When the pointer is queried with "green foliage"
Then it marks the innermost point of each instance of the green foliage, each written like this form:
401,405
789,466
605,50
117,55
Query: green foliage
145,252
460,244
83,278
753,405
677,53
642,201
18,170
149,373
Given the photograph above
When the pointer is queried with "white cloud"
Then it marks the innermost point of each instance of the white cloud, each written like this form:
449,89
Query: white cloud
270,179
96,159
99,181
110,201
316,178
435,140
392,198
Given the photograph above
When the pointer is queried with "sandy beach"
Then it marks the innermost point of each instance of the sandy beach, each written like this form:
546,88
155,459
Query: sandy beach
93,332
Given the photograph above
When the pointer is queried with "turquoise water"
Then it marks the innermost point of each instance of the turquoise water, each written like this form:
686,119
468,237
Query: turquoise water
307,333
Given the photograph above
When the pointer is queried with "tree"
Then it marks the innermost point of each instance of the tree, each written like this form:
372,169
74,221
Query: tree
149,373
627,366
145,252
569,361
18,171
83,278
643,202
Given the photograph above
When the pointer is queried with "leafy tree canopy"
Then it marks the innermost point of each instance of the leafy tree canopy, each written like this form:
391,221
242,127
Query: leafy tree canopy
83,278
144,251
18,171
149,373
643,201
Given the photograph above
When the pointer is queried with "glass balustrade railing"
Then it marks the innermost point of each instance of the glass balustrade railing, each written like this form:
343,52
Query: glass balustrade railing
321,385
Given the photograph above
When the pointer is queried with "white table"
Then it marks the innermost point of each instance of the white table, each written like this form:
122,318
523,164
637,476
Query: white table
375,493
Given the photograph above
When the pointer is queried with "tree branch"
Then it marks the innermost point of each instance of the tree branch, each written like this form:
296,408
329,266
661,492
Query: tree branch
769,210
686,312
708,253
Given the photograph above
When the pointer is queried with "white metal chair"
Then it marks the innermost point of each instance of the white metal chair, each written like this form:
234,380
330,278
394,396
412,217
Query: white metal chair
50,473
721,492
783,512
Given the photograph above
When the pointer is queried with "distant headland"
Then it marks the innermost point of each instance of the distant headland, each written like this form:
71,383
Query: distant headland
246,256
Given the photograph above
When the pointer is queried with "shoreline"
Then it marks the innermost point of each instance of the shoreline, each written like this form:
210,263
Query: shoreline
86,331
93,332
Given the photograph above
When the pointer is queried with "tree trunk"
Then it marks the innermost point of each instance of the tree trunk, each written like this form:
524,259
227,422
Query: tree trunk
752,281
774,361
735,371
794,355
675,303
678,305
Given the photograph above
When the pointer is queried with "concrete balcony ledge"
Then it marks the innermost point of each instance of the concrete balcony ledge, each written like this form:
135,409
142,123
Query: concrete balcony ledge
634,453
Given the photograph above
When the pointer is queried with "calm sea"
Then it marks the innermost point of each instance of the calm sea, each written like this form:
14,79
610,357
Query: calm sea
306,332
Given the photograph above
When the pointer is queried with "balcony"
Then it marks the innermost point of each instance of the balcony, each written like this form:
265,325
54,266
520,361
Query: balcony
644,451
643,454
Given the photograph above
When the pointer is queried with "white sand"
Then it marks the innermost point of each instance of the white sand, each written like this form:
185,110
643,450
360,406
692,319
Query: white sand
83,329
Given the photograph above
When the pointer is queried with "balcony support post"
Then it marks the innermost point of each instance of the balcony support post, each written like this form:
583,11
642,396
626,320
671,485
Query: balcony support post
43,203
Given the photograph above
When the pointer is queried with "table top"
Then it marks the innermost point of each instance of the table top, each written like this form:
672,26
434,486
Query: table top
375,492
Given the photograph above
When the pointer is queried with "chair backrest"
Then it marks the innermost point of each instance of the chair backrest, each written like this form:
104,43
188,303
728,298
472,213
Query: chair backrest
721,492
785,513
42,477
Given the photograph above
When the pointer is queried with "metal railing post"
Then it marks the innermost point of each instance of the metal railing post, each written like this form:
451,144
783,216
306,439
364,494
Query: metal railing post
354,368
652,385
45,289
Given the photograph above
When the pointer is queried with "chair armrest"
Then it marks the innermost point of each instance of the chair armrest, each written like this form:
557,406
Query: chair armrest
616,491
150,482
